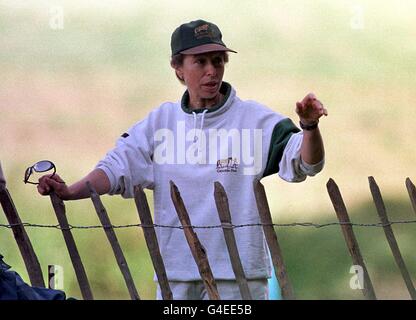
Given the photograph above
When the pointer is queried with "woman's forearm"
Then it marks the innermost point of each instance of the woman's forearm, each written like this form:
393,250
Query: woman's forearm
98,180
312,148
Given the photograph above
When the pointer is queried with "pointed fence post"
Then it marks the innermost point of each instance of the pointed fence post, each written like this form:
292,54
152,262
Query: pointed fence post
351,241
22,239
112,238
59,208
197,249
221,202
411,189
272,242
151,241
391,239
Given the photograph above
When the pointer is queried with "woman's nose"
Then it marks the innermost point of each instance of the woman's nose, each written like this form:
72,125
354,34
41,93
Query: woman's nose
210,69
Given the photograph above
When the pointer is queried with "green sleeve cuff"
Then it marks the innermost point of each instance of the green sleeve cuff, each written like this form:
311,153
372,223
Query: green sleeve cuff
281,134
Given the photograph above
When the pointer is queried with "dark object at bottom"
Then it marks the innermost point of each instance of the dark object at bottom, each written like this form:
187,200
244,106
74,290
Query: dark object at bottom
12,287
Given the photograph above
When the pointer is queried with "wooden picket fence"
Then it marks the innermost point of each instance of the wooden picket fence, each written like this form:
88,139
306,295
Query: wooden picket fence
198,251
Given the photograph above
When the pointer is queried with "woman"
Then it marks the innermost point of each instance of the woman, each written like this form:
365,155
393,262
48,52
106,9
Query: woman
210,135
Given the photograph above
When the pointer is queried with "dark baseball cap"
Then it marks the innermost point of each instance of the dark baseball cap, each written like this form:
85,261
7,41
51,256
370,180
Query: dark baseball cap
197,37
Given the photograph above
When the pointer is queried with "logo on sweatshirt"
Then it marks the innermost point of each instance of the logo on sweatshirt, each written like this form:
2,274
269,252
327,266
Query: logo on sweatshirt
226,149
227,165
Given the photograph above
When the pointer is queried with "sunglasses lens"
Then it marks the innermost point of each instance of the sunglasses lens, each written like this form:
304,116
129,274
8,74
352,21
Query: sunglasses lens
27,174
43,166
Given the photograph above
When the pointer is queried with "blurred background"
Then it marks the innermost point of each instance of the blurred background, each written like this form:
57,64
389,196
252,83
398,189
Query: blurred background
75,75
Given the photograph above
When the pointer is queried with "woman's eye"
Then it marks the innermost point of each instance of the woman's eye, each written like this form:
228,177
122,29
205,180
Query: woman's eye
218,61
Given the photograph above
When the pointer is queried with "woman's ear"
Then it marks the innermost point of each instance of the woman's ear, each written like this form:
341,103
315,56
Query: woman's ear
179,73
178,70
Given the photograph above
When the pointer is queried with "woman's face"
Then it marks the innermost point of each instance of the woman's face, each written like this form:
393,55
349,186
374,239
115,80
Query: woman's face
203,74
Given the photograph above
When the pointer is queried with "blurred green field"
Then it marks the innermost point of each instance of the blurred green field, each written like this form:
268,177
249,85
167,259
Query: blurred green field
67,94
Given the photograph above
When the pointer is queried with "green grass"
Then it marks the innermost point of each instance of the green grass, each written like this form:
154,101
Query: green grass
67,95
318,261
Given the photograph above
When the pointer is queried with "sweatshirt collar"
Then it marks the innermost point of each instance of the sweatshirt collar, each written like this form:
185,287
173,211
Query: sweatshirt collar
225,89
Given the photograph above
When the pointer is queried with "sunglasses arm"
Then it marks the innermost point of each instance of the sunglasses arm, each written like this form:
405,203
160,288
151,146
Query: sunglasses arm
2,179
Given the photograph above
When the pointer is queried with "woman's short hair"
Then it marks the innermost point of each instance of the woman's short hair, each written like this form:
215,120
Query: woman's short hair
177,61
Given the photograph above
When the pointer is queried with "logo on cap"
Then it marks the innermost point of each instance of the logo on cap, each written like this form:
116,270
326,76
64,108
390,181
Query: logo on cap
203,31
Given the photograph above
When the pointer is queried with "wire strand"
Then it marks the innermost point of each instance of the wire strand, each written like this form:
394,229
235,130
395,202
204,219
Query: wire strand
232,226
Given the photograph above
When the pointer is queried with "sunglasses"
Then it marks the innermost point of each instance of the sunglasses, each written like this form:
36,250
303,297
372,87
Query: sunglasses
40,166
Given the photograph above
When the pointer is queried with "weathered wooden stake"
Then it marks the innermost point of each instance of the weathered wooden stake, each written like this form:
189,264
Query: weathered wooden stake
221,201
112,238
22,239
411,189
381,210
59,208
349,236
151,241
272,242
198,251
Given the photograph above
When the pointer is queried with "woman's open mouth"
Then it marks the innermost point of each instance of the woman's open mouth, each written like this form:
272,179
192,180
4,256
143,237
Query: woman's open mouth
211,86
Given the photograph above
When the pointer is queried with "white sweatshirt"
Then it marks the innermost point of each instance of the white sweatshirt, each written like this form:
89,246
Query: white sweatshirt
233,143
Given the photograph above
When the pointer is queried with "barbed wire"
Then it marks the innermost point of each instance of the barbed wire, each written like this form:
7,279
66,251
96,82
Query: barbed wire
228,225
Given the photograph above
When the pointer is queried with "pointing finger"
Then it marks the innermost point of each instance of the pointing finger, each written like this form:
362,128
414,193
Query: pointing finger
317,105
309,98
321,107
